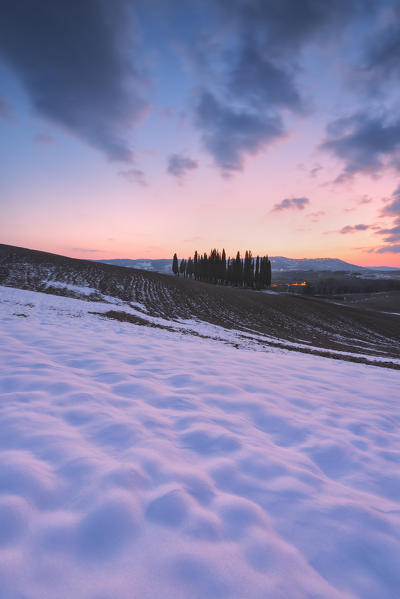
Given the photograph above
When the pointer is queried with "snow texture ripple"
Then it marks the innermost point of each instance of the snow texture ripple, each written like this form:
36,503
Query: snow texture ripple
139,463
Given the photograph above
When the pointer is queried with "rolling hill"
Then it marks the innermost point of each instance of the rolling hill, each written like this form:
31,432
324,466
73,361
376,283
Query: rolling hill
296,323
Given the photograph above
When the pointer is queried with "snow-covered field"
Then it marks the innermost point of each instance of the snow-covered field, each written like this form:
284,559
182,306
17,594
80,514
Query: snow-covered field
138,463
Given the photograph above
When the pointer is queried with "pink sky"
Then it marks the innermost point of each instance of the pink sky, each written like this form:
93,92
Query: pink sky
192,136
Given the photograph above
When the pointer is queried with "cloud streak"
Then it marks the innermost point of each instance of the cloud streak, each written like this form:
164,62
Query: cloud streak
354,229
393,207
389,249
86,250
291,204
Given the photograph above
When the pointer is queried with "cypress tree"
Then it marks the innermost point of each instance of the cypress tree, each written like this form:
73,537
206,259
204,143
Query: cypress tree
196,266
248,271
269,273
229,277
223,266
205,267
257,274
238,270
175,268
262,273
189,268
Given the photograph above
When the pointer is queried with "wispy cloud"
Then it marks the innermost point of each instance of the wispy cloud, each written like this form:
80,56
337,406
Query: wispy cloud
316,216
291,204
86,250
354,229
314,171
392,209
179,165
364,200
389,249
391,234
134,175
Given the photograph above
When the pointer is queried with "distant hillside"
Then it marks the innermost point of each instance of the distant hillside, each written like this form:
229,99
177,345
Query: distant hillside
162,266
277,263
282,263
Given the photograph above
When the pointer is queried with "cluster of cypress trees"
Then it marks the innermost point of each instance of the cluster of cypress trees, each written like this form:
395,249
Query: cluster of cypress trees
217,268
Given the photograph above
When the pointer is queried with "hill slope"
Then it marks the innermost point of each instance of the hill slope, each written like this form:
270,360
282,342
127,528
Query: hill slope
265,319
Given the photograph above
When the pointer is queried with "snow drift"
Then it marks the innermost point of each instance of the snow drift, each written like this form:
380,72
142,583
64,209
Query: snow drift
138,462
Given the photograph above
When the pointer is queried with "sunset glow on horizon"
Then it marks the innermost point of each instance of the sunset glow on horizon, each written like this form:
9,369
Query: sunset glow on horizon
151,128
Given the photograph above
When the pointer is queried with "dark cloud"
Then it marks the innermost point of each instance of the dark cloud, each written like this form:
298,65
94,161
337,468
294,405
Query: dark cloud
255,80
179,165
229,134
262,83
289,24
382,55
134,175
364,143
74,60
369,141
354,229
291,204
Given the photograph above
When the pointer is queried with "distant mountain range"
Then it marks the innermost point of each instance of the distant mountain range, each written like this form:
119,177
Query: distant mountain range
278,263
282,263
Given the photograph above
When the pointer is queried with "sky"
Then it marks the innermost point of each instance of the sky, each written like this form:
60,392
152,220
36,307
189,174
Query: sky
140,128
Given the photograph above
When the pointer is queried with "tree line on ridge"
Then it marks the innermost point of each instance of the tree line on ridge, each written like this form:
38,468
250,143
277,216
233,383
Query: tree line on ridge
216,268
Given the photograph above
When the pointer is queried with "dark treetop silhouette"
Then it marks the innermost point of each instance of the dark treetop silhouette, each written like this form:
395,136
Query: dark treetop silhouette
216,268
